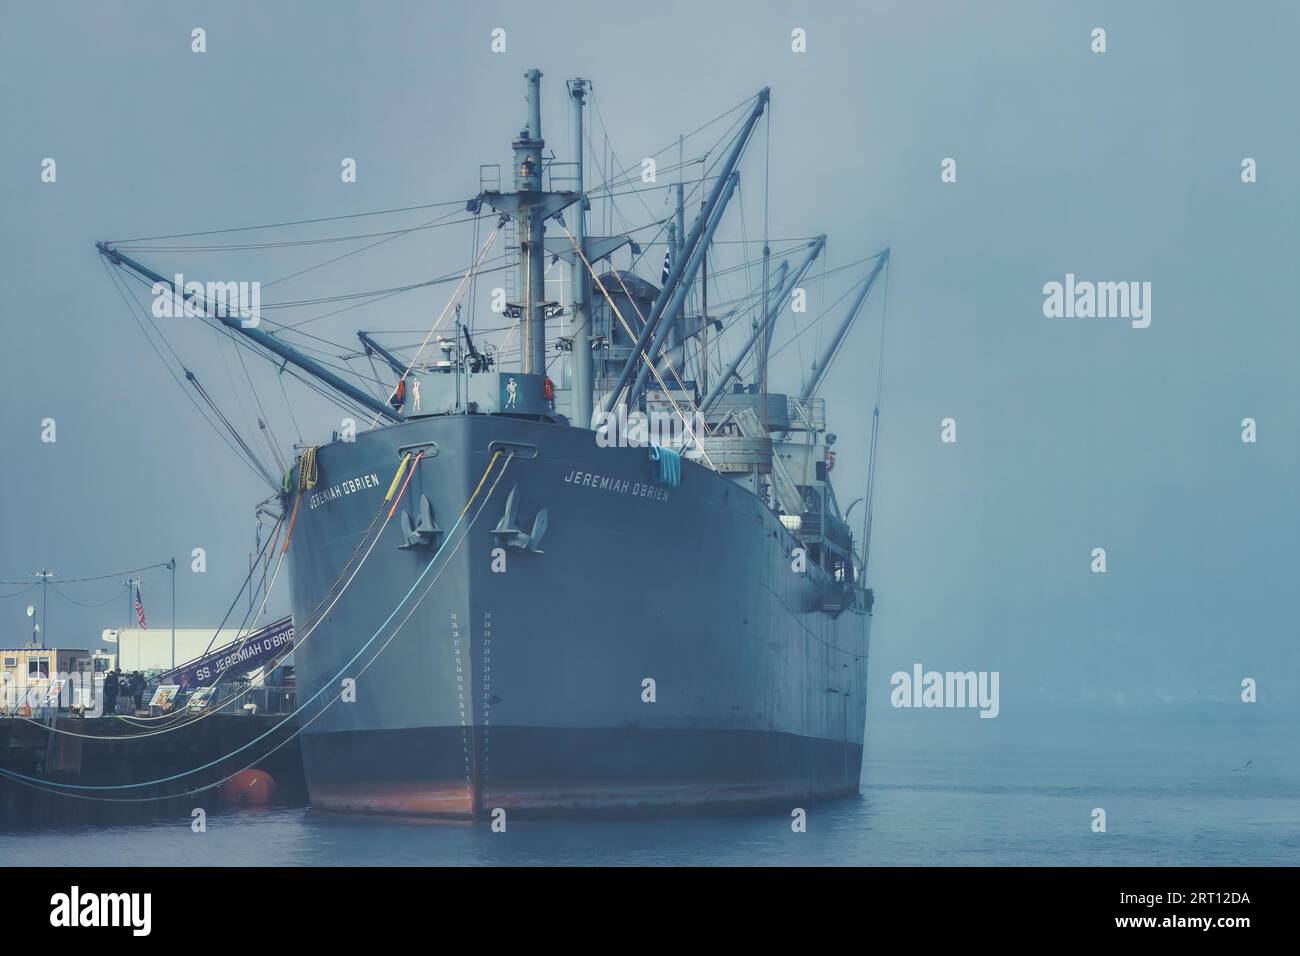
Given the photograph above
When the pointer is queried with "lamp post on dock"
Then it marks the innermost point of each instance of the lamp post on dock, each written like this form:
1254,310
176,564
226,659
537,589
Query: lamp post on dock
44,574
171,566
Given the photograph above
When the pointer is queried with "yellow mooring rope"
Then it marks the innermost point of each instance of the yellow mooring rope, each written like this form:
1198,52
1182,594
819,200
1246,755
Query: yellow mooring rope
307,469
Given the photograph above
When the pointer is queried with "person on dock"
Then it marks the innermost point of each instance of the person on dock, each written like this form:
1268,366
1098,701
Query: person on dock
137,689
110,692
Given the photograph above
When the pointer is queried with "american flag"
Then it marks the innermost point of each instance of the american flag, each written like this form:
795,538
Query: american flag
139,609
668,262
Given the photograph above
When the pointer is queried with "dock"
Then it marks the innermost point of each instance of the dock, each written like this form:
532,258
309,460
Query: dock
70,752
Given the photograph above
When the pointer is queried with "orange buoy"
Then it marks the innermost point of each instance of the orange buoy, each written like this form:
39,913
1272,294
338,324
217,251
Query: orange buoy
249,788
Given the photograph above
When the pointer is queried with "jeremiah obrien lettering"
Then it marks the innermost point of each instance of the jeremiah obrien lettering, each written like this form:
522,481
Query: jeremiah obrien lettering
359,483
621,486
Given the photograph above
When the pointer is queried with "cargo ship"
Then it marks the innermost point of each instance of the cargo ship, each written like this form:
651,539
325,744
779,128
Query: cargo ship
633,591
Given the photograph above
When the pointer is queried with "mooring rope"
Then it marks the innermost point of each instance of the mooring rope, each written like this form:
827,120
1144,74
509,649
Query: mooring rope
298,642
55,787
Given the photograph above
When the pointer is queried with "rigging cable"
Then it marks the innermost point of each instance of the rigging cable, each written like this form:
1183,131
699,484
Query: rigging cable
264,420
380,242
455,297
875,429
236,390
328,394
203,393
279,377
132,305
790,341
437,223
299,222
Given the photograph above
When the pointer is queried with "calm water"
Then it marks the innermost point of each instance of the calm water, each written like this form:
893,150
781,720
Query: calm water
958,793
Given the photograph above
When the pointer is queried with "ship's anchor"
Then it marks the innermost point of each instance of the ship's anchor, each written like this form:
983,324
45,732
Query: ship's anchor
425,531
507,530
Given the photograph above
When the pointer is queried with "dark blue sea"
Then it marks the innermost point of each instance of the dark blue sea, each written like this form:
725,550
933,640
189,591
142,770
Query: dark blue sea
938,789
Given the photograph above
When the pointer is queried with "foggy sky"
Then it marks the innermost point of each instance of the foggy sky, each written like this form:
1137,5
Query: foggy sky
1072,433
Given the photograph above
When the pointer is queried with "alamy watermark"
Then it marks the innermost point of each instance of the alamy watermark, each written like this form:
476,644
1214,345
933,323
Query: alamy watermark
75,908
637,429
193,299
922,688
26,695
1073,299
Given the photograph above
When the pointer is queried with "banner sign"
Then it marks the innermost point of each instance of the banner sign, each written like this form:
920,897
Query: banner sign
236,658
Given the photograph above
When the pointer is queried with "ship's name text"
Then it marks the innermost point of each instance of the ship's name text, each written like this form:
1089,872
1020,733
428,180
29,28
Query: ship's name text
360,483
621,486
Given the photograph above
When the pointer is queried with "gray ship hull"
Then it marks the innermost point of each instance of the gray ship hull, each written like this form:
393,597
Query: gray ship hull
525,688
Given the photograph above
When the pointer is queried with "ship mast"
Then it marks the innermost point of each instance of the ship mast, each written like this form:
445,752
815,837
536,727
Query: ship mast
532,206
581,353
528,179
